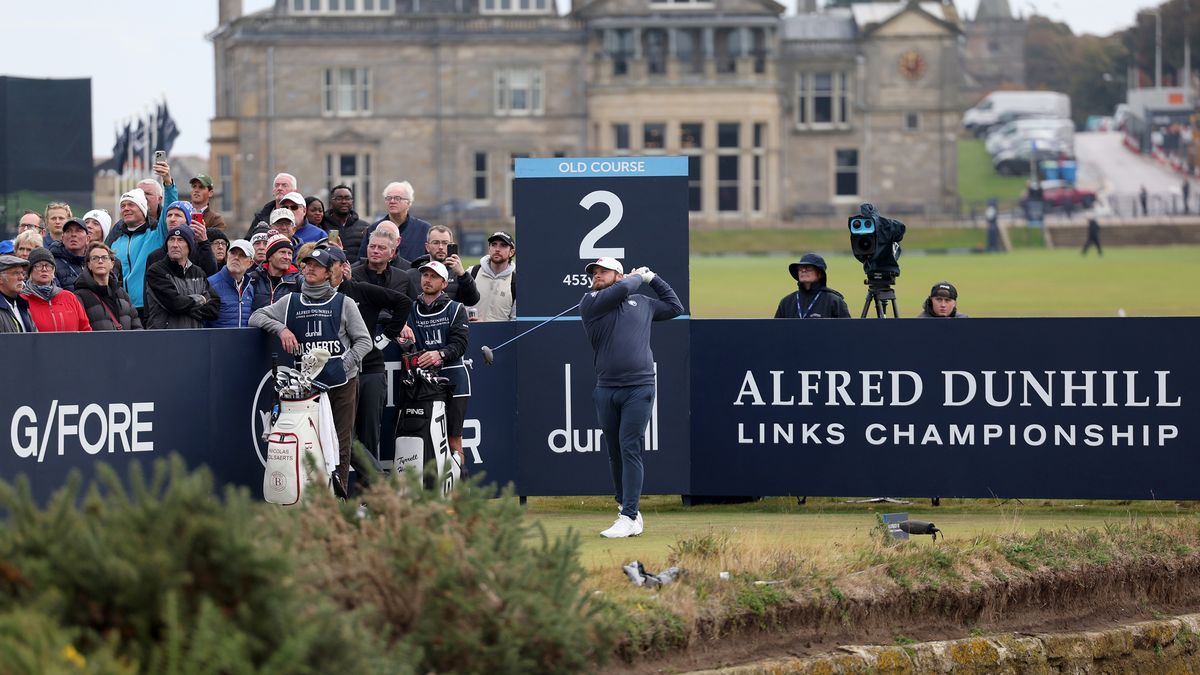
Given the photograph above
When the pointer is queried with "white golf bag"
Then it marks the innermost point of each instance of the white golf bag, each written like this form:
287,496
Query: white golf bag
302,445
422,444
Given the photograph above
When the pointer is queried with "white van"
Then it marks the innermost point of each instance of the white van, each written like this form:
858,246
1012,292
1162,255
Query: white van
1004,136
1007,104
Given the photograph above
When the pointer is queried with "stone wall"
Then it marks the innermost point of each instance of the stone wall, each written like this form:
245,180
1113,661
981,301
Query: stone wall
1167,645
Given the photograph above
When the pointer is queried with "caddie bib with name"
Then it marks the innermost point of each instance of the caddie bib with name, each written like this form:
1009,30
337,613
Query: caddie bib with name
317,325
432,332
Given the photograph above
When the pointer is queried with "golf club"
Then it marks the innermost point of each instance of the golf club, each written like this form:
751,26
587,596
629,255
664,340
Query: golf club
488,351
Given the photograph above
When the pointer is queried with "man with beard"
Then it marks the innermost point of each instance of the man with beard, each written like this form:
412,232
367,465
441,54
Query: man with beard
617,321
460,285
14,310
438,326
496,278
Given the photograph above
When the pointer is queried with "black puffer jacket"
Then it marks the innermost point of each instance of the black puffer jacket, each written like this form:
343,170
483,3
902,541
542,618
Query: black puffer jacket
351,233
67,265
178,297
108,307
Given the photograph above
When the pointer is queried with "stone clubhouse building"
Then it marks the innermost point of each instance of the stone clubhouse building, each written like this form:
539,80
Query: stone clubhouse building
783,119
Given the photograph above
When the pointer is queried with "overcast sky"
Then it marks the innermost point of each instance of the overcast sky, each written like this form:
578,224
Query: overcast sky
165,54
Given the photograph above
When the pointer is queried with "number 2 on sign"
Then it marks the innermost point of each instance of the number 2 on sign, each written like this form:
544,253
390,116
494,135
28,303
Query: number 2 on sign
587,248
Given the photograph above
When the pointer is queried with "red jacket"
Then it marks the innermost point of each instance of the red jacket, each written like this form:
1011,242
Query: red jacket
63,312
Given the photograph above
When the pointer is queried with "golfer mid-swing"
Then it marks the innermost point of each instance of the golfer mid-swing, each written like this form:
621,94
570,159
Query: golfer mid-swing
617,321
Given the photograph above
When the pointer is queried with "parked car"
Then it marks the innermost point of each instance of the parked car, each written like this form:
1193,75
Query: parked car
1014,160
1060,128
1057,194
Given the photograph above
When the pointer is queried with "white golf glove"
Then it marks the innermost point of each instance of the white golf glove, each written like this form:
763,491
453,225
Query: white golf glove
644,273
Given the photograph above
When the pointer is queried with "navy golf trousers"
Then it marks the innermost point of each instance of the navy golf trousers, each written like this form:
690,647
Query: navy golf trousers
623,413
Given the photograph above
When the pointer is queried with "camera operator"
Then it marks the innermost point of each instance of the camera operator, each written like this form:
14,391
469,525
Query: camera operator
942,303
812,299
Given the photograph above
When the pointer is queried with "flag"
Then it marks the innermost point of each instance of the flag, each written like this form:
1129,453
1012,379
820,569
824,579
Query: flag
138,143
167,131
117,163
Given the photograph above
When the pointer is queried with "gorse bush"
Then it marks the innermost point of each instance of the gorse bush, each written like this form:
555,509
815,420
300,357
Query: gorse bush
463,584
162,575
159,576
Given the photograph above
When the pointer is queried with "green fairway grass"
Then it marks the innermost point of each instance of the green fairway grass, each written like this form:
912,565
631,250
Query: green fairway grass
978,181
1149,281
796,240
813,530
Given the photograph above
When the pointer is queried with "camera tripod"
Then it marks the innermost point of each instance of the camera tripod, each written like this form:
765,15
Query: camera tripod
880,293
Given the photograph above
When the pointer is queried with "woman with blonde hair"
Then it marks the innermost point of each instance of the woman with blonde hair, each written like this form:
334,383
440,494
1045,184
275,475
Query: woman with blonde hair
25,242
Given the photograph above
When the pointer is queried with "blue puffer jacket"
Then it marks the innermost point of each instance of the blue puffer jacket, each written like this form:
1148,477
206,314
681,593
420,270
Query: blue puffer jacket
235,307
132,248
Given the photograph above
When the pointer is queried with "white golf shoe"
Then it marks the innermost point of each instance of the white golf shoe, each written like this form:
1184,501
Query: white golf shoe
623,526
641,524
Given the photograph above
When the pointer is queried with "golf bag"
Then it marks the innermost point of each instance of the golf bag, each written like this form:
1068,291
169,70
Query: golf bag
302,446
422,444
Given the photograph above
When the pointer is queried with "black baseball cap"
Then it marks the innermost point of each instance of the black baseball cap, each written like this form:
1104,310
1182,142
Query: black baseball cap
504,237
944,289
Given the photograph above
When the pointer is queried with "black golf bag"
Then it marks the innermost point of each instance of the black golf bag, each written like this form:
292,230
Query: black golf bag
422,443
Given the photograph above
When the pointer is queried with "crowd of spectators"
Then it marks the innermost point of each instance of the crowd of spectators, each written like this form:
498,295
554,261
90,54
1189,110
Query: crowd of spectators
172,263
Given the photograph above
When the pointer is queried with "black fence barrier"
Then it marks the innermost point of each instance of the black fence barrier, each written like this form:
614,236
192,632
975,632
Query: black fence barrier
1052,408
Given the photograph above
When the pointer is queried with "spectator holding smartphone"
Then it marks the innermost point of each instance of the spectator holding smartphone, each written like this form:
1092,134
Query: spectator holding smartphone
440,247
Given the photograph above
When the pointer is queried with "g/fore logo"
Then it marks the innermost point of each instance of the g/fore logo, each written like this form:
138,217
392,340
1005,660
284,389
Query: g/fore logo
97,427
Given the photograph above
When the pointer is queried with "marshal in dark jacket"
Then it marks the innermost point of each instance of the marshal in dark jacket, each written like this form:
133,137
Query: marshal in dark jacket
108,307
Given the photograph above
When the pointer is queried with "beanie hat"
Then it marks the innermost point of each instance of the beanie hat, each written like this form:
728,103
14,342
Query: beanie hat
184,207
184,231
278,243
100,216
138,197
215,234
40,254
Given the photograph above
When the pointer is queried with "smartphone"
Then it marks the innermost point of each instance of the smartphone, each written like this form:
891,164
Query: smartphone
160,156
335,238
452,249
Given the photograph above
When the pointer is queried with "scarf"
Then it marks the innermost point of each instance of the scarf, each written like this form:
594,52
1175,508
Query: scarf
44,292
316,293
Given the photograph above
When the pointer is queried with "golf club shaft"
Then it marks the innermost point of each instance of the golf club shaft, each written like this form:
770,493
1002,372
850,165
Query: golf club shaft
517,337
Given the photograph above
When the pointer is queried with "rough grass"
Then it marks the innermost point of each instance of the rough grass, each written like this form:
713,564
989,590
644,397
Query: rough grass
1141,281
865,577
